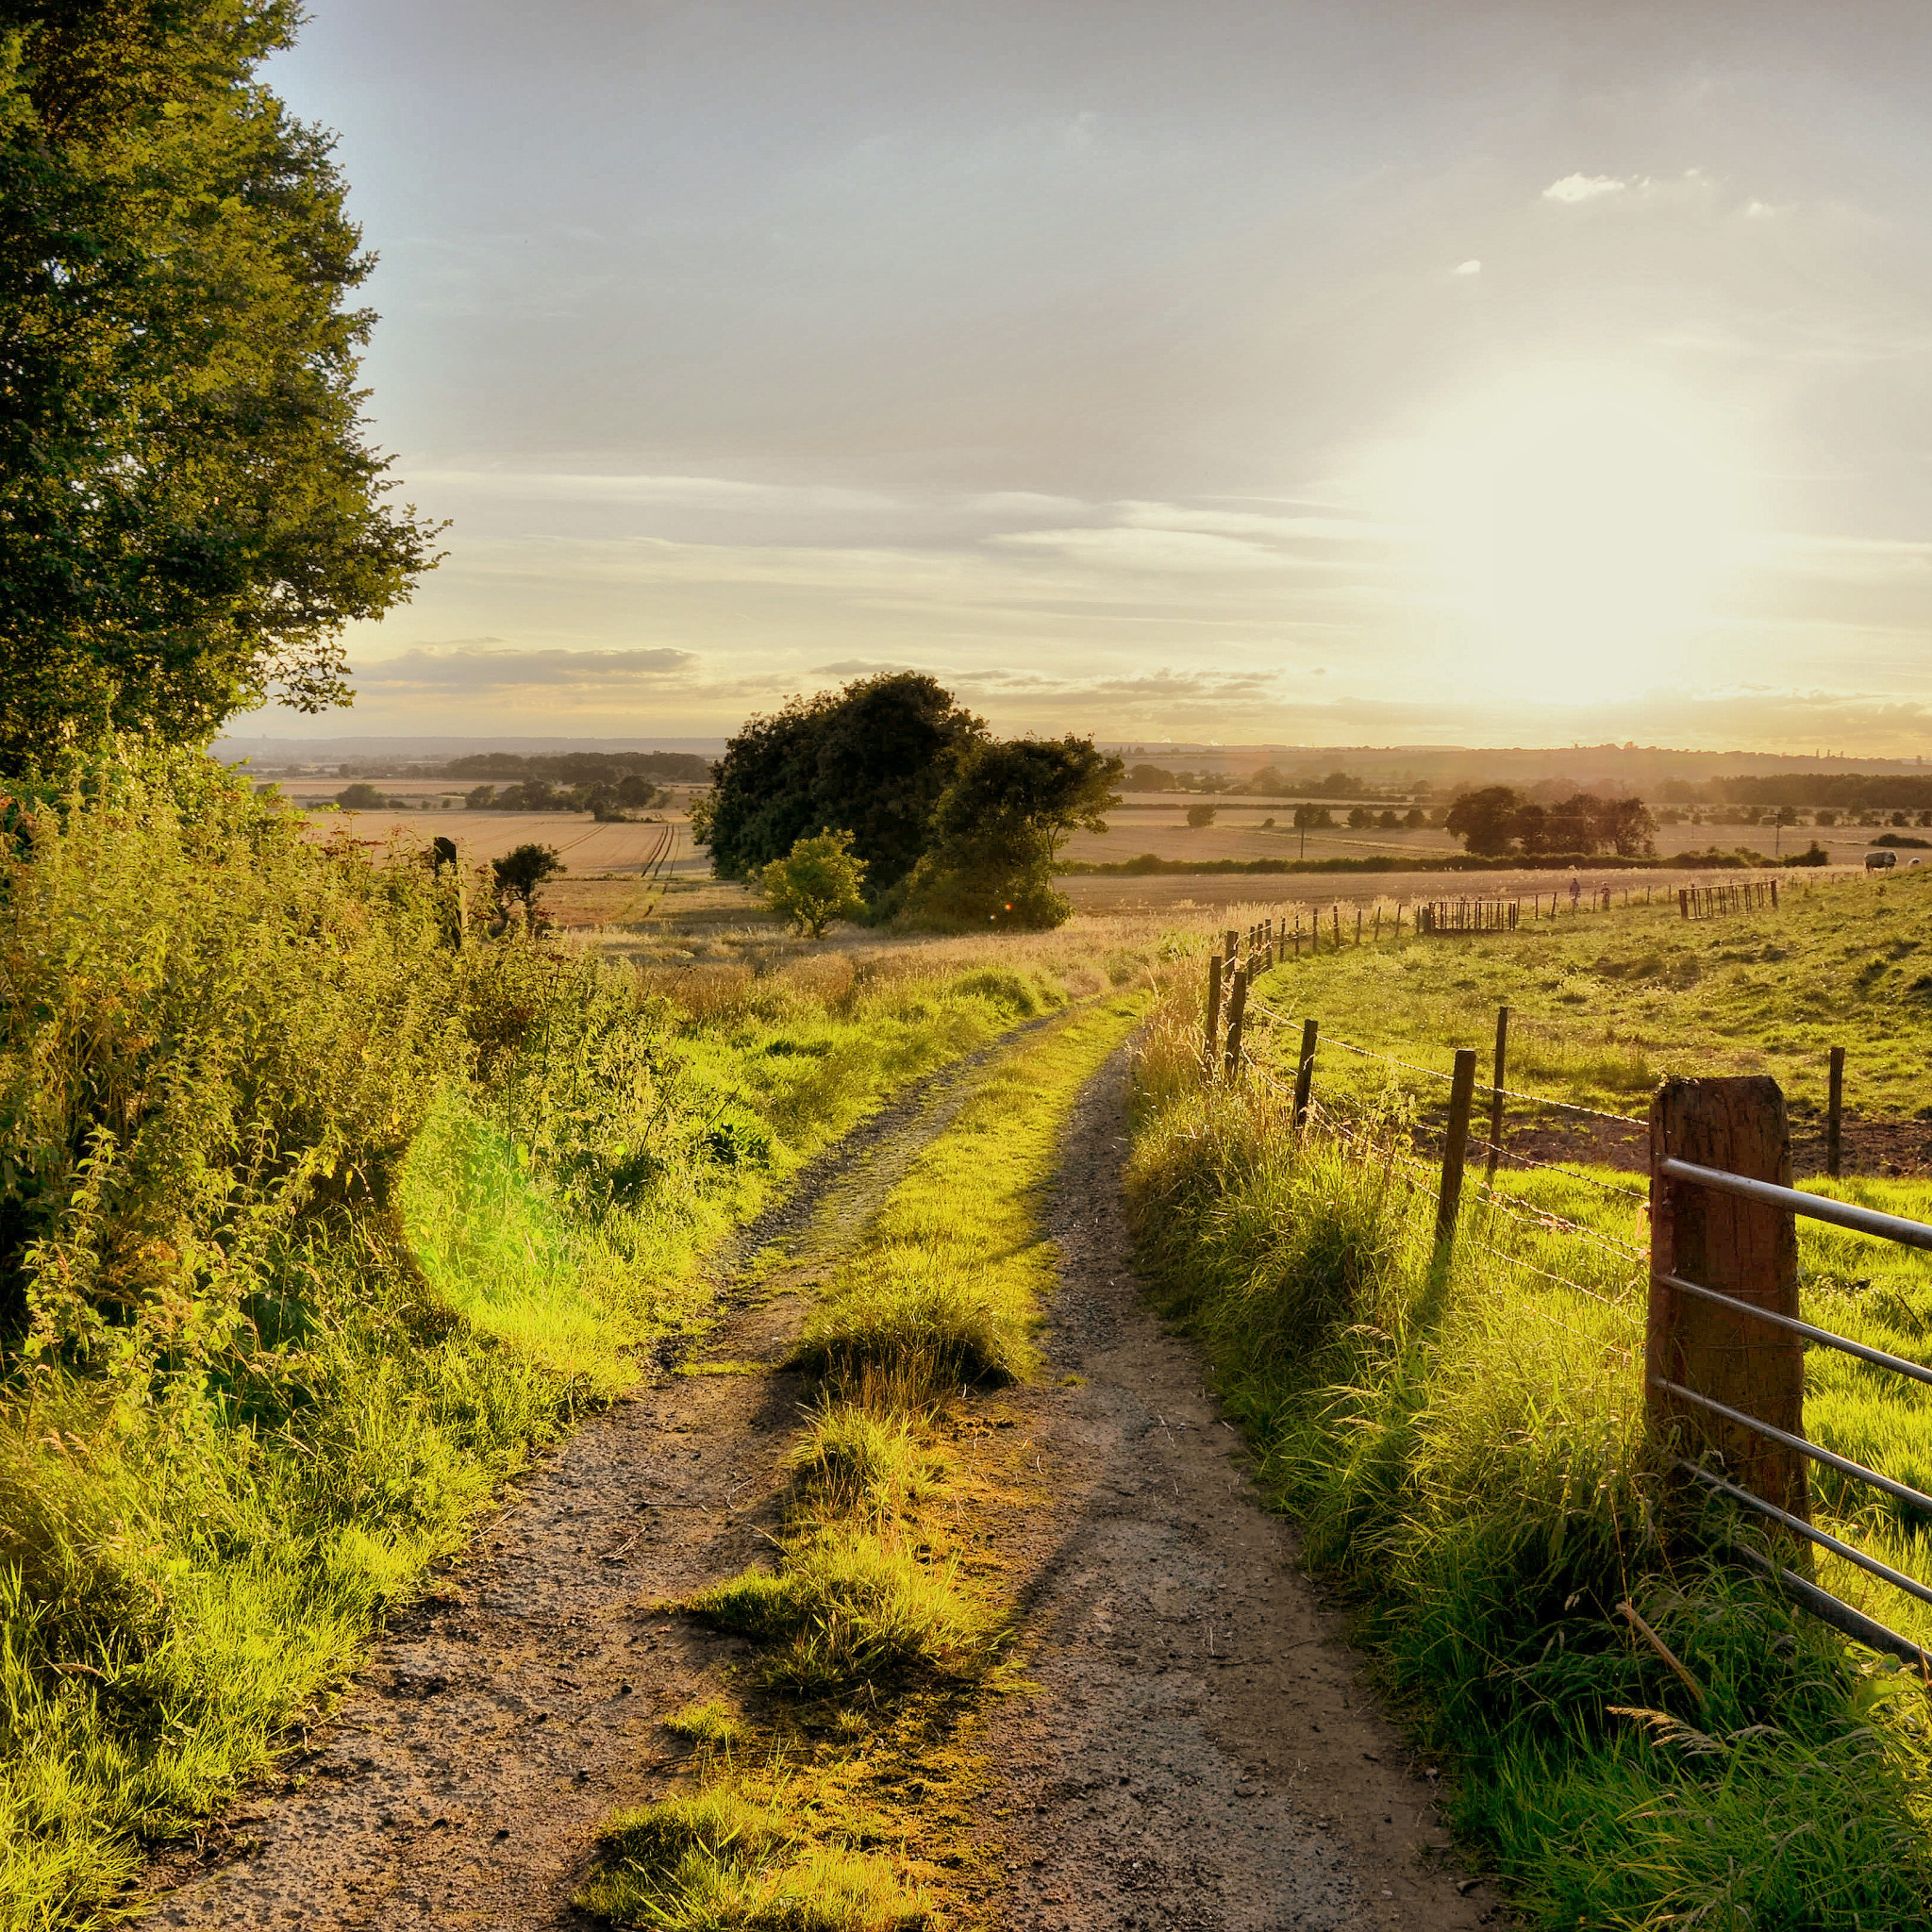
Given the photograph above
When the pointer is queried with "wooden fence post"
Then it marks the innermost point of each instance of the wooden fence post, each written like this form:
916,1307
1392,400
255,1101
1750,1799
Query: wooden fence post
1773,895
1684,901
1305,1073
1834,1110
1739,1248
1236,1012
1358,926
1455,1149
1212,1026
1496,1090
1335,909
1230,949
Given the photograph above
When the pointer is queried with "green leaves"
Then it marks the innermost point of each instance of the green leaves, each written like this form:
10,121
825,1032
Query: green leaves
189,513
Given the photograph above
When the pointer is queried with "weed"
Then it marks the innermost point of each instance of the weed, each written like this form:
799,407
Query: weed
845,1610
710,1723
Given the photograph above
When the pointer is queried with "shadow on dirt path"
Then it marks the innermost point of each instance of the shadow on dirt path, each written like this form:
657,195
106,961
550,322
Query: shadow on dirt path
1201,1753
463,1780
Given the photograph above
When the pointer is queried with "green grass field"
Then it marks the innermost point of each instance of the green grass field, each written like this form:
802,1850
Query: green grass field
1604,1005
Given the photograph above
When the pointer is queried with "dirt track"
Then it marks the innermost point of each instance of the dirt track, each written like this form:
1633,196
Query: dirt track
1201,1754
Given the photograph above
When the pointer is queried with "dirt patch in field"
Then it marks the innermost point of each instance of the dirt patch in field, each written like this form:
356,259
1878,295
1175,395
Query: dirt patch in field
1203,1753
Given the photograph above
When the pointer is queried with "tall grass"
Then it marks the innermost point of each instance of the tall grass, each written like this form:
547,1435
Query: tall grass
312,1221
1465,1451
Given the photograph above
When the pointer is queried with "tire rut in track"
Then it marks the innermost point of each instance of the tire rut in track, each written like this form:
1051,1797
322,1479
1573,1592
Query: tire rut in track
464,1779
1203,1753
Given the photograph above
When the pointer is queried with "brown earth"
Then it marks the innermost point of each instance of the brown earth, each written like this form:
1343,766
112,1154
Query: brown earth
1198,1751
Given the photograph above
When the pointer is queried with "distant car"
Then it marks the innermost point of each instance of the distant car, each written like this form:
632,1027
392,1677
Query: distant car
1880,862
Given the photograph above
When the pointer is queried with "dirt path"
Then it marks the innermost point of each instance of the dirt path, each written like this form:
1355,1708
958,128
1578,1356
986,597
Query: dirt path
463,1780
1203,1758
1206,1757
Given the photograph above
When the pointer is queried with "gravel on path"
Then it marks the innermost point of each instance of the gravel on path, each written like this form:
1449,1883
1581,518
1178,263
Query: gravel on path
1203,1753
464,1779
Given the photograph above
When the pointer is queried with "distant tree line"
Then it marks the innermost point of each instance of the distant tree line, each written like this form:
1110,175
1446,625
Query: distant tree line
945,824
1269,782
1843,790
575,767
604,800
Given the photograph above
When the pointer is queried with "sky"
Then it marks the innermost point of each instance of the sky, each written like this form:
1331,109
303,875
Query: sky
1366,372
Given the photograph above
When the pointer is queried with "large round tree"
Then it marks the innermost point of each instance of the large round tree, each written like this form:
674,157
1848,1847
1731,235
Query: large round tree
189,512
871,759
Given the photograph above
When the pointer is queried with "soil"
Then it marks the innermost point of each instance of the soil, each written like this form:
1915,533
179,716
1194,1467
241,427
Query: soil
1204,1754
1888,1147
1199,1750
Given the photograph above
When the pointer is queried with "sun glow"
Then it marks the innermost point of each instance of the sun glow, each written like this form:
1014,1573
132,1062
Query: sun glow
1588,522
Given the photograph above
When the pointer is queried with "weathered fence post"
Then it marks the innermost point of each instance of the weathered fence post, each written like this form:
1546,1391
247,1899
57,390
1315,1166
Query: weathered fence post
1834,1110
1773,895
1334,908
1236,1012
1496,1090
1305,1073
1684,901
1738,1247
1212,1026
1230,949
1454,1148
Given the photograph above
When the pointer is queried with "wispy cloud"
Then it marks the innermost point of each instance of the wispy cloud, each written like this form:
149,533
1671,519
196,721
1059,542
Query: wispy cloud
1574,188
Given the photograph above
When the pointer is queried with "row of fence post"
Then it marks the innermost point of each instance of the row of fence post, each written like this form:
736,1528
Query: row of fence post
1703,902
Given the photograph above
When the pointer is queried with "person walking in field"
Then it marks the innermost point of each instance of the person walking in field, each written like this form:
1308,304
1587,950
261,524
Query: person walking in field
1575,892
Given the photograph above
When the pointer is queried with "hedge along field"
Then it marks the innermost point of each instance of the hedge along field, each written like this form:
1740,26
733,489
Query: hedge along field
1466,1454
311,1223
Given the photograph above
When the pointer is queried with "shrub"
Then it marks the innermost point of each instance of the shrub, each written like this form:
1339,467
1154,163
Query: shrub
1200,815
819,880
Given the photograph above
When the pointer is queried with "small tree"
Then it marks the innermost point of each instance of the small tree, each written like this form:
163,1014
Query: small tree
999,824
1199,815
819,880
519,874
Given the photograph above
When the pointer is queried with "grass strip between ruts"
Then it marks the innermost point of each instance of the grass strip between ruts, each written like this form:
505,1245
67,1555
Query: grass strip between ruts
882,1626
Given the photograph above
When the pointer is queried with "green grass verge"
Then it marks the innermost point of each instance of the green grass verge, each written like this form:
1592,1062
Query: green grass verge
878,1617
1465,1451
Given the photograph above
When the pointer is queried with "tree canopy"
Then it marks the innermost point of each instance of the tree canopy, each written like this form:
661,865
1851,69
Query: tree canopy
1000,824
189,512
1496,818
871,759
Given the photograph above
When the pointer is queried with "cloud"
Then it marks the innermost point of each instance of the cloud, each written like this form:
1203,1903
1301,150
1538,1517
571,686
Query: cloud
858,667
473,668
1476,268
1574,188
1150,547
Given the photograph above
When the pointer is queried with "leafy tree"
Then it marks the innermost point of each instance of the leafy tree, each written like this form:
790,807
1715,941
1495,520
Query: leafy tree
1148,778
1360,817
819,880
521,873
1200,815
1000,824
873,757
1415,818
362,796
188,510
1484,820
